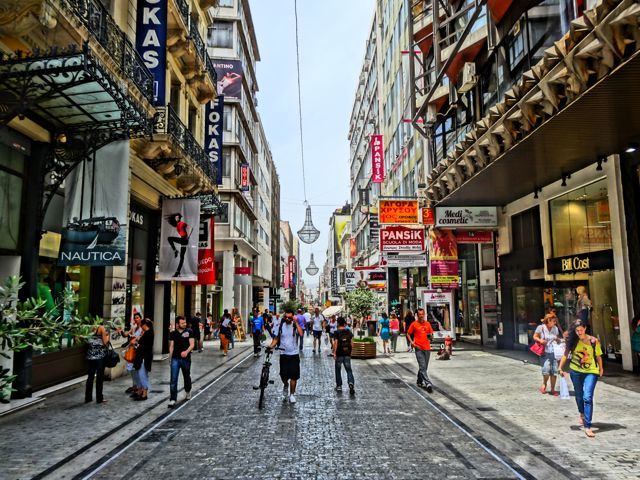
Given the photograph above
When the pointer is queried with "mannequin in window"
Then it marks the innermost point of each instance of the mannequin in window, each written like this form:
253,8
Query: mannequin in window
583,304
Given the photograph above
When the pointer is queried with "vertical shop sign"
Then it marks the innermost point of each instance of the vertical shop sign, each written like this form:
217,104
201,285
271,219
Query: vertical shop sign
293,274
151,43
334,282
377,157
443,259
287,276
178,244
94,231
214,123
374,228
206,255
244,177
353,248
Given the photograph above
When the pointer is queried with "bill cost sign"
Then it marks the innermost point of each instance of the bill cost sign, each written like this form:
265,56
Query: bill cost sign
151,42
399,212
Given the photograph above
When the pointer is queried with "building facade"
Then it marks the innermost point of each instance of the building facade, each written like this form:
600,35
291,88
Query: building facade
512,100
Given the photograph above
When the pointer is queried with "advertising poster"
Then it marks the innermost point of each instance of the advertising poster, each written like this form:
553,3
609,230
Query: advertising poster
151,43
353,248
399,212
206,254
443,259
213,128
95,217
178,243
377,157
229,78
341,222
400,239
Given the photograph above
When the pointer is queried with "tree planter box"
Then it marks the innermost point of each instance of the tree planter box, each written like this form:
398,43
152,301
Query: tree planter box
363,350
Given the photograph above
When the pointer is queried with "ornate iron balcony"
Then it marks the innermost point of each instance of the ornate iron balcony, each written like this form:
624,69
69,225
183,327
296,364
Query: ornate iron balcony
183,8
209,68
95,17
198,43
168,122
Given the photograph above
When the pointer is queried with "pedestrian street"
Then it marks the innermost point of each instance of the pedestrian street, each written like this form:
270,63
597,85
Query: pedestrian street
472,426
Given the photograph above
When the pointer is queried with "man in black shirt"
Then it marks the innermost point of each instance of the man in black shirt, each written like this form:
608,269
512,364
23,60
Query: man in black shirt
181,343
342,354
195,328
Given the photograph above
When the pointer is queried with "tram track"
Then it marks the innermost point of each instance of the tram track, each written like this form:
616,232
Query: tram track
478,438
96,466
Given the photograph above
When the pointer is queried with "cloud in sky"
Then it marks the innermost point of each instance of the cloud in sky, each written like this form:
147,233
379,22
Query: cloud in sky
333,35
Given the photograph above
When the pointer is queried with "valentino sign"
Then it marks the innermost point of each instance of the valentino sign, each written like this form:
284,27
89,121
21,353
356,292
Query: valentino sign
398,238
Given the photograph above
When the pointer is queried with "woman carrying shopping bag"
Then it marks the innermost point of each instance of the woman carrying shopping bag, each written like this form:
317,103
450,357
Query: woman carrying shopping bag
585,363
547,335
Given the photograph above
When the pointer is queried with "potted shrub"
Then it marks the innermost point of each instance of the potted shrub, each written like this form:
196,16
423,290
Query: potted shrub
360,303
363,347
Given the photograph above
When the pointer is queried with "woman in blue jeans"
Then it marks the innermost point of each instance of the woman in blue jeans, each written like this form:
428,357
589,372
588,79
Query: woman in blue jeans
585,356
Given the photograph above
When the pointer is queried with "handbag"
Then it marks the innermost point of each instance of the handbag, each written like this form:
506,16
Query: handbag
130,354
112,358
537,348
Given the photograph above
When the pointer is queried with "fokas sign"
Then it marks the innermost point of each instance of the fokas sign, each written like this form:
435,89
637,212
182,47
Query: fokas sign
151,43
583,262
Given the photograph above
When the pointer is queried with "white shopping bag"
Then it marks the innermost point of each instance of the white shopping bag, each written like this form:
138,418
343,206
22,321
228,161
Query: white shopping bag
564,389
558,350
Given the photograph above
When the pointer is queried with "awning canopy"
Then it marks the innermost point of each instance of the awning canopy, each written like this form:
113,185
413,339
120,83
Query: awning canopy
333,310
68,90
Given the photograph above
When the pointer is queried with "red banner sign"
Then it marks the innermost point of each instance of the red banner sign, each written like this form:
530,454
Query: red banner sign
353,248
428,216
242,271
468,236
206,254
244,177
377,156
399,239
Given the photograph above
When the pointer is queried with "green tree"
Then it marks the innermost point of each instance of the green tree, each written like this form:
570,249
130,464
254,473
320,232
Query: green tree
360,302
293,305
29,324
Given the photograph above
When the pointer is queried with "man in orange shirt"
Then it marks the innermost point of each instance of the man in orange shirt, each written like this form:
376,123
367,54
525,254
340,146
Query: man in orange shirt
418,335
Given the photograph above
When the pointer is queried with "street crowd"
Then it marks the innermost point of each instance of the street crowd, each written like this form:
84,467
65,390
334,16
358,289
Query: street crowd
573,353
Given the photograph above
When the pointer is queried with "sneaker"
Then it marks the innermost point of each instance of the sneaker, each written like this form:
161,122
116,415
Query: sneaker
224,354
429,387
292,398
352,389
172,403
338,388
187,395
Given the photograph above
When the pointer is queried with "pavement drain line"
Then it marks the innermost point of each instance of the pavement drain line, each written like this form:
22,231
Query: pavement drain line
517,471
498,429
161,421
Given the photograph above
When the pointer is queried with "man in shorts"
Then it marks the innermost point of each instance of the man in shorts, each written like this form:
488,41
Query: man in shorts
286,342
317,320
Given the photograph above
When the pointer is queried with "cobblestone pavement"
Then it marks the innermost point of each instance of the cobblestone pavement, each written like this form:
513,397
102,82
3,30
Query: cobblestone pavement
485,420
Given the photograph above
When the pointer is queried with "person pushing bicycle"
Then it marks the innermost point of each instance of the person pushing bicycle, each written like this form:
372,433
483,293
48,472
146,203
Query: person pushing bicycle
285,340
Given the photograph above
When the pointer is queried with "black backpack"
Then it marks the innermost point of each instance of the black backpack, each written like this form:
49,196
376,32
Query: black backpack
343,337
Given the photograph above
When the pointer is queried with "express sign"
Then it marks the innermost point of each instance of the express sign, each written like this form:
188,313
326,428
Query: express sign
398,238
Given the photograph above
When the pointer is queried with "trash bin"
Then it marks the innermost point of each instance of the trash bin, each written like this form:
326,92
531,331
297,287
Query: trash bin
371,328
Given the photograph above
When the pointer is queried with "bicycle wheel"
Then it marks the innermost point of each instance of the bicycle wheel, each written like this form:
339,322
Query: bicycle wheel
261,401
264,381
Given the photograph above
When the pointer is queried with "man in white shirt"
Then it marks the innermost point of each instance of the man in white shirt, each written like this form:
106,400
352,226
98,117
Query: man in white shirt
318,320
287,343
307,321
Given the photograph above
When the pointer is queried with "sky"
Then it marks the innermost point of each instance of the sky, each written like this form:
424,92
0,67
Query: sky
332,36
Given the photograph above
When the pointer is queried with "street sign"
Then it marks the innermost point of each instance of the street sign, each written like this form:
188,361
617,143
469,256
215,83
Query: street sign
405,261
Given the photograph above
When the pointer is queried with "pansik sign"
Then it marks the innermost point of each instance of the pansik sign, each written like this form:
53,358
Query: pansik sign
214,117
466,217
377,157
399,212
398,238
151,43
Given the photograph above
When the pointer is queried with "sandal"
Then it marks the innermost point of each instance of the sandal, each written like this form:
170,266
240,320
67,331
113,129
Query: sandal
543,389
589,433
581,420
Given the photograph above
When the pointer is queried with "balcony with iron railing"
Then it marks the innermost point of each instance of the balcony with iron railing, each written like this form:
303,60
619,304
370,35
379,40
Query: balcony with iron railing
104,30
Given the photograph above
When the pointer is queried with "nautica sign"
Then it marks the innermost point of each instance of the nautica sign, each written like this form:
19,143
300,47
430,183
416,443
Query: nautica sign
151,43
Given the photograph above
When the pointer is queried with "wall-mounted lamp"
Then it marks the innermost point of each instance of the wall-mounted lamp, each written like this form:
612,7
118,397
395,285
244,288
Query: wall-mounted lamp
536,190
600,161
565,176
632,147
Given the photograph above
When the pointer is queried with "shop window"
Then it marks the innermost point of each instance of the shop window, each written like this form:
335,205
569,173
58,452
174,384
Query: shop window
223,216
488,256
525,228
580,220
11,168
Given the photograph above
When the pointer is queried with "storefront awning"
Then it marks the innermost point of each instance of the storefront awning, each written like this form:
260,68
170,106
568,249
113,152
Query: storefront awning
68,91
334,310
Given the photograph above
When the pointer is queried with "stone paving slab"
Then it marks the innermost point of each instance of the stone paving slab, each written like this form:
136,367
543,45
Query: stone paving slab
35,439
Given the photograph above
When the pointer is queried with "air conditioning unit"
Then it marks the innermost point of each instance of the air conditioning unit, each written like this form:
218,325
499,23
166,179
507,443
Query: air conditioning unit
469,78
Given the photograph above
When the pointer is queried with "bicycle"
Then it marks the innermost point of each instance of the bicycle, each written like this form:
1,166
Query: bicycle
264,377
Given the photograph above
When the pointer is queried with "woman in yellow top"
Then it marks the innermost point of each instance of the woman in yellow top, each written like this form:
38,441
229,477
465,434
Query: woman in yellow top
585,355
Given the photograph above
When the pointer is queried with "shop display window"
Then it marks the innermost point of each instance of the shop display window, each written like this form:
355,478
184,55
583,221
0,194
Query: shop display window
580,220
528,304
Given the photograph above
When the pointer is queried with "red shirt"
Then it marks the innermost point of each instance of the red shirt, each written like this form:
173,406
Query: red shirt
182,229
419,331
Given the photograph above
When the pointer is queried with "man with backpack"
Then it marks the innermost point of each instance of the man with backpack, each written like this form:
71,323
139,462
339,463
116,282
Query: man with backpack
342,354
257,327
287,343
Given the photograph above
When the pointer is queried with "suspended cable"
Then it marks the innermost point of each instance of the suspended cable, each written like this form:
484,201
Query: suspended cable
304,179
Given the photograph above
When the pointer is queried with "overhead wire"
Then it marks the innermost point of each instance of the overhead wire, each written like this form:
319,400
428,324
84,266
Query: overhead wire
304,179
